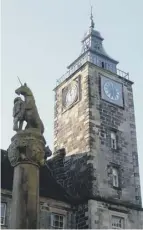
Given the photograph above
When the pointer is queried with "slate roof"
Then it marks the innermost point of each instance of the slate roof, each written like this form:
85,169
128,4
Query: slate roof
49,187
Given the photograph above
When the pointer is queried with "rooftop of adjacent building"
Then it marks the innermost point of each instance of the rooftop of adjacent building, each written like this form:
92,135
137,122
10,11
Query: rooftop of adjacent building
49,187
93,51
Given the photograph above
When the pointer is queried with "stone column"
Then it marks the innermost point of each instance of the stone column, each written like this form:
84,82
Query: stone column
26,154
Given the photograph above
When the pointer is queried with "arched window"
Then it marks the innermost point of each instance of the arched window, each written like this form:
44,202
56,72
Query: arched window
113,140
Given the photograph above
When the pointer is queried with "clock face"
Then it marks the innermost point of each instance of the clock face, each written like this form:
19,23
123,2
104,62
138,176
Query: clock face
111,91
71,95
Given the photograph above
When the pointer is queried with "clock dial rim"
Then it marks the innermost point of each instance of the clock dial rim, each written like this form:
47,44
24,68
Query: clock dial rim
108,93
118,83
72,92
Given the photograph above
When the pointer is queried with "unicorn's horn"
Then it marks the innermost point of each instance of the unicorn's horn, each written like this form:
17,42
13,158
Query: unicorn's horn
19,80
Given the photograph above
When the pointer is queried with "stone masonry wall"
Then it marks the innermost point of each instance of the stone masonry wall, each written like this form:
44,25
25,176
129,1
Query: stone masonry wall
81,215
100,215
71,125
104,118
47,207
76,216
73,173
86,128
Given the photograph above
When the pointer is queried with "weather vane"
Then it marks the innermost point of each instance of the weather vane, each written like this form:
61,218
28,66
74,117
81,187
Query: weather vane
91,19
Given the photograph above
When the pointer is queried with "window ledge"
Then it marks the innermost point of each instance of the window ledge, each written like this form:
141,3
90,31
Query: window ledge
117,188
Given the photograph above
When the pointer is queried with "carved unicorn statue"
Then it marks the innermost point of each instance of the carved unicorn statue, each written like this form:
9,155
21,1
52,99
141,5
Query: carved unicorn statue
27,110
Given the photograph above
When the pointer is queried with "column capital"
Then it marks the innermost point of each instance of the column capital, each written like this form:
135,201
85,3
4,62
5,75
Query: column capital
27,146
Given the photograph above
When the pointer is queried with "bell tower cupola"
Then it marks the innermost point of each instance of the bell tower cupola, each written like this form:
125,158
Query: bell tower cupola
93,51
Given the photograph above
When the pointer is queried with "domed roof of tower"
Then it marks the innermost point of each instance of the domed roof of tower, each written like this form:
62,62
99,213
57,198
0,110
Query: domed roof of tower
93,41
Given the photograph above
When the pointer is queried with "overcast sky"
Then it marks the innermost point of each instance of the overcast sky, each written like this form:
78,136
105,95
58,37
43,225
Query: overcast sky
40,38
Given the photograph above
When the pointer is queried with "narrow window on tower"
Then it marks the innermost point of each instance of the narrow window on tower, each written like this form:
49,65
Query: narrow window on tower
115,174
113,140
103,65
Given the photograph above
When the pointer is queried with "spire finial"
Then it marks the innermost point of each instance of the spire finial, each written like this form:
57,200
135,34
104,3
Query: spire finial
91,19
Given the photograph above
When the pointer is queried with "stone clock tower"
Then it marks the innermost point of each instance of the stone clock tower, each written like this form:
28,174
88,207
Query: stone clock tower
94,115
